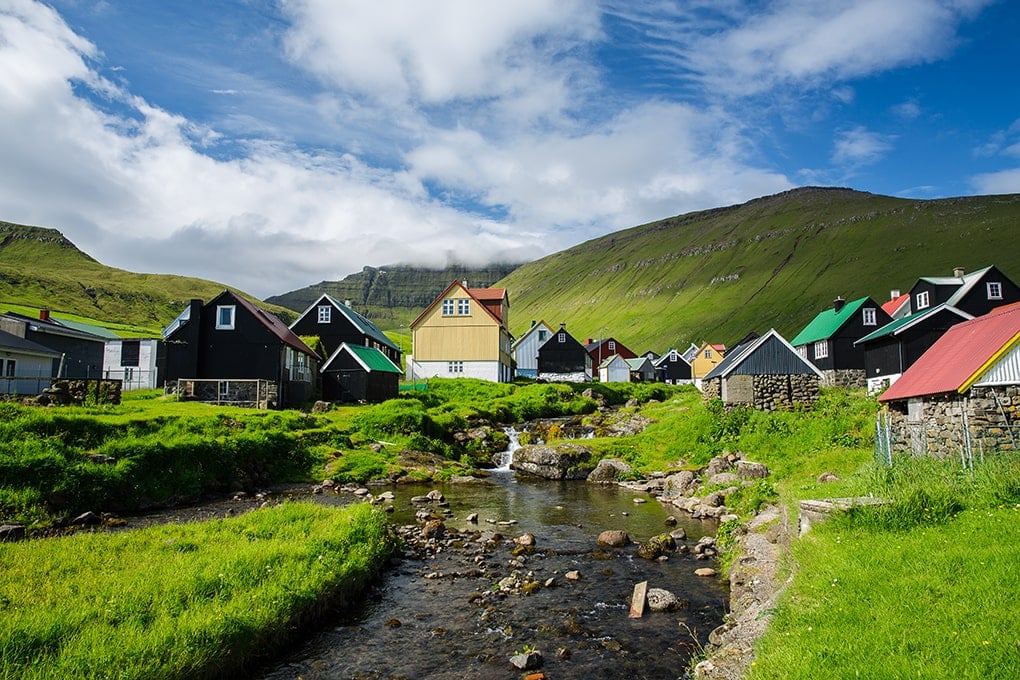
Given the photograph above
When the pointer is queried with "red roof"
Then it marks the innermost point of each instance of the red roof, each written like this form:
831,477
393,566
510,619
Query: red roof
489,300
960,356
891,306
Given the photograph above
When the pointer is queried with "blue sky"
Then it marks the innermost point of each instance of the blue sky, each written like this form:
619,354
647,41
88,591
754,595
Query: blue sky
270,145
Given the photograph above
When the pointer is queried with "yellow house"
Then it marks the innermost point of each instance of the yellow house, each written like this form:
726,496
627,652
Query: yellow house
463,334
708,356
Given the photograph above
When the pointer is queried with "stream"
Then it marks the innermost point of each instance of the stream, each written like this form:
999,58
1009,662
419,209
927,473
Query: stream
442,615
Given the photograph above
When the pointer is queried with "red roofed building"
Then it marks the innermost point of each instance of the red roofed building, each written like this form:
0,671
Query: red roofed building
962,396
898,306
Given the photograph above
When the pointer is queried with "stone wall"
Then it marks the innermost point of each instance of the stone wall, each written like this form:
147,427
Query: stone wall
774,392
578,377
711,389
79,392
985,420
847,378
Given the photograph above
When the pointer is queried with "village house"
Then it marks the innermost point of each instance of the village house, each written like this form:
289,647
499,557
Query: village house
229,351
334,323
614,368
708,356
26,367
766,373
561,358
463,333
828,340
673,368
133,361
600,350
961,398
80,350
525,348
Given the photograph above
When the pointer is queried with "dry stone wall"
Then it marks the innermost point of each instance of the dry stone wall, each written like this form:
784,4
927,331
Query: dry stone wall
774,392
985,420
847,378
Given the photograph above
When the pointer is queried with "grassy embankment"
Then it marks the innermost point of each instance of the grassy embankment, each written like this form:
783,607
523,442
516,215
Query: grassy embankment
181,601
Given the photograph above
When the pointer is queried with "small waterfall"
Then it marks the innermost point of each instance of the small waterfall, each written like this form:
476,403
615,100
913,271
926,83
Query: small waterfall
504,458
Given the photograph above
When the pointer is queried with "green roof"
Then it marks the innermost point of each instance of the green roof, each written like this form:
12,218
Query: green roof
897,324
373,359
825,325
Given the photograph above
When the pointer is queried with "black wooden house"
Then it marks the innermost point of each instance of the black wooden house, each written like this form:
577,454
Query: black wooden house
562,358
355,373
335,323
229,340
672,368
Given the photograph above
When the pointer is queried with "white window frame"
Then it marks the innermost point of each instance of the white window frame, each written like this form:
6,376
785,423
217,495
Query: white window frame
463,307
611,345
708,354
11,368
448,307
542,335
802,351
224,324
870,316
455,366
922,300
994,290
325,313
821,349
561,337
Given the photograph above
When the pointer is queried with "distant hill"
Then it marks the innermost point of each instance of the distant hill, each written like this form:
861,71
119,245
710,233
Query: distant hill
39,267
771,262
392,296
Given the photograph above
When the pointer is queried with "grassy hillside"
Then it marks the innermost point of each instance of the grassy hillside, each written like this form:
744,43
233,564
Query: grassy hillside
40,268
392,296
771,262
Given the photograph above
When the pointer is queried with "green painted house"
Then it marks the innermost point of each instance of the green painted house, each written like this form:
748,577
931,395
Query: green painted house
828,340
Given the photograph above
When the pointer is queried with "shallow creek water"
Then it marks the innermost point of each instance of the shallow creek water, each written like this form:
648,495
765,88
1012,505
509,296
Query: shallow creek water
441,617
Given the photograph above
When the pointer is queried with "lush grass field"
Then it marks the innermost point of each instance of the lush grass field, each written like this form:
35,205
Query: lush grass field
180,601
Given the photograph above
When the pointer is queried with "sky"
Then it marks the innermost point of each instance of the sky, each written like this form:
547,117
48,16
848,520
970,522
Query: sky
273,144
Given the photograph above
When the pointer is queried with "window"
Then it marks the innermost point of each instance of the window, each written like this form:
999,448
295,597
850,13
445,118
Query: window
9,369
870,316
673,356
708,354
129,374
921,300
802,351
225,318
455,366
821,349
994,290
447,307
325,313
561,337
463,306
130,350
612,345
542,336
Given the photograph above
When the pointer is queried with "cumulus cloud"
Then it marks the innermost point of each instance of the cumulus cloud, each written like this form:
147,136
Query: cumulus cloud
1003,182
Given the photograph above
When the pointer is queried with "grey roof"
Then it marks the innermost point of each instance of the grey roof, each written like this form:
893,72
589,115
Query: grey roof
360,321
13,343
746,350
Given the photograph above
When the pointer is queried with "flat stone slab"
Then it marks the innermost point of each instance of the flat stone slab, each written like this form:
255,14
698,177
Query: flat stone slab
819,510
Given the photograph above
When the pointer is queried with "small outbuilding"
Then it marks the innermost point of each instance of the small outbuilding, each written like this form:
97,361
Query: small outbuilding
764,372
355,373
614,369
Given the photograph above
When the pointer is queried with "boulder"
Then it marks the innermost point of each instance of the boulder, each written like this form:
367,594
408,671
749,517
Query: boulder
608,471
655,547
614,538
750,470
661,600
723,479
562,461
11,532
679,484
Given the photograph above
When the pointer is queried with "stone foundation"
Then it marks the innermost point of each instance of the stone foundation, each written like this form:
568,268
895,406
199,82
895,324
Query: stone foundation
847,378
764,392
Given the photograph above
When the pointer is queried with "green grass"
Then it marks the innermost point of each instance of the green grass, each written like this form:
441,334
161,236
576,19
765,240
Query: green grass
933,602
180,601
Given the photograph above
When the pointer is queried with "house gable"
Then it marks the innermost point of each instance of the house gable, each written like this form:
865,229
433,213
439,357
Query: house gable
335,323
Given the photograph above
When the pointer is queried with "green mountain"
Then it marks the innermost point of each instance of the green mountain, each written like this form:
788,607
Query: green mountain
775,261
39,268
393,296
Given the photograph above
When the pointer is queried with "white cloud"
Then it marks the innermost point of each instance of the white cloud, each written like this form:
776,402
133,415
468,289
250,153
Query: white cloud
859,146
1003,182
808,43
908,110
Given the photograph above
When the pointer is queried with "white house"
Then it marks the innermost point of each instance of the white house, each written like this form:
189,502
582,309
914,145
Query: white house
132,361
26,367
525,348
614,369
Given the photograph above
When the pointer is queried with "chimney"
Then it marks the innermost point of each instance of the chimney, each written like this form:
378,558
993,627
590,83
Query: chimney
532,323
44,314
838,303
347,303
563,326
958,272
588,341
894,293
464,283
